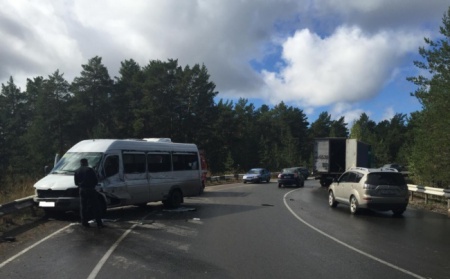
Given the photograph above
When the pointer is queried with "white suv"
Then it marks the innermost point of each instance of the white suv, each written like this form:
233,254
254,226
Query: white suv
378,189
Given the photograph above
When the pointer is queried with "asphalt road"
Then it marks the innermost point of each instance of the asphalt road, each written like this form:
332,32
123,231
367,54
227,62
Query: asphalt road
237,231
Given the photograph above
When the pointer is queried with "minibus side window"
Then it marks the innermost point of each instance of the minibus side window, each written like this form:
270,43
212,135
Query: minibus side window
185,162
111,165
134,163
158,162
192,161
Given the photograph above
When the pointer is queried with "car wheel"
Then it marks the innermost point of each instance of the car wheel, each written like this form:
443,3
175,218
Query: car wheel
245,181
331,200
268,180
202,189
279,185
174,200
353,205
303,183
398,212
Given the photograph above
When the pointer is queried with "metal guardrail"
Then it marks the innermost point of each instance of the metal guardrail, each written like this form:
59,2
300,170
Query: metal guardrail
430,191
17,205
223,177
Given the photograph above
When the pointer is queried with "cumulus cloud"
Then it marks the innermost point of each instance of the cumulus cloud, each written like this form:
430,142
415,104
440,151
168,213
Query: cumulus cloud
350,112
388,113
347,66
35,41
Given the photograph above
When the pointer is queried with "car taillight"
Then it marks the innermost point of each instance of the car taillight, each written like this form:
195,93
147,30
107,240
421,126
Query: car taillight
295,175
369,186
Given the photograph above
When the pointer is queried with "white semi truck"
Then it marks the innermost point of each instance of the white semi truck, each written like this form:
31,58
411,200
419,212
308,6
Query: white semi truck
333,156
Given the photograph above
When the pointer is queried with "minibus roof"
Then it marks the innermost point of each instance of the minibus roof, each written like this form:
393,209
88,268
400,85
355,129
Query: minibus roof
103,145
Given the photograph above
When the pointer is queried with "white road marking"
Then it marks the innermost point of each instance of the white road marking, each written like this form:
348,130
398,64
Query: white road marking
34,245
347,245
105,257
99,265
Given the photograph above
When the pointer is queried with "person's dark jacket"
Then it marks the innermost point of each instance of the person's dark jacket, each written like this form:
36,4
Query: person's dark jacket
85,177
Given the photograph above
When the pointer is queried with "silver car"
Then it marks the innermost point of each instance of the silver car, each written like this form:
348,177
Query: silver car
377,189
257,175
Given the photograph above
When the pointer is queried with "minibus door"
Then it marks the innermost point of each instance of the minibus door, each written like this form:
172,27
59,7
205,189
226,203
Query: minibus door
160,174
135,175
112,178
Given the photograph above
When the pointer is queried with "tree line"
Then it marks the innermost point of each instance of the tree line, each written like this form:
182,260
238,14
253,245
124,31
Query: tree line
164,99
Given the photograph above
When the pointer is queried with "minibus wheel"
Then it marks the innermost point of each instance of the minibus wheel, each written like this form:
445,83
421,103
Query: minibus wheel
175,199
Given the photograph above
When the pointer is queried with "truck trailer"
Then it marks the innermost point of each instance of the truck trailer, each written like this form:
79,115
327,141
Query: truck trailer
333,156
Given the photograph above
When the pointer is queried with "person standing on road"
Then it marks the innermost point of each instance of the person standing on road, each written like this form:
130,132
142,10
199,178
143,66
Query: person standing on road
86,179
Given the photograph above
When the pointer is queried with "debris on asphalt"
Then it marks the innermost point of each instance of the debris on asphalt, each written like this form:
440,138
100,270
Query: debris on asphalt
181,209
7,239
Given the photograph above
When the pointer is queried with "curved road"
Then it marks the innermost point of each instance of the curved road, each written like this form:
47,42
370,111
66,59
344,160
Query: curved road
237,231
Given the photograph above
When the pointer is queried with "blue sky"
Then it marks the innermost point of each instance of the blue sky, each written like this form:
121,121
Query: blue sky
343,57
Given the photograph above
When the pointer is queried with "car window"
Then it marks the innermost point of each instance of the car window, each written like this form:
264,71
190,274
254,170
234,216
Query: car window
358,177
351,177
385,178
344,178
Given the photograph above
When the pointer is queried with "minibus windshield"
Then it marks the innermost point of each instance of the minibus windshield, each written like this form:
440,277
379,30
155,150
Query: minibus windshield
70,162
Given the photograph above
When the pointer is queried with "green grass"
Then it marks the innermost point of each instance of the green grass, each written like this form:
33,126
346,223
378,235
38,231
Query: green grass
20,188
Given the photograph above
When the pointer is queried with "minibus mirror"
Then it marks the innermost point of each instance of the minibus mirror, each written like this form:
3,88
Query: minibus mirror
46,170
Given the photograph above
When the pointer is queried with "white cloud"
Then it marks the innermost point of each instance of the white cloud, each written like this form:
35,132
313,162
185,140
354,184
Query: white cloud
347,66
36,43
349,112
388,113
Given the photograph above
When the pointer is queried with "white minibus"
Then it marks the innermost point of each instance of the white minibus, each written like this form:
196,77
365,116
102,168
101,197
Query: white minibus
130,172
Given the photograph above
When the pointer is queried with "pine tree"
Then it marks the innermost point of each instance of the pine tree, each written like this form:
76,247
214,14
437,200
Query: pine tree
91,105
430,156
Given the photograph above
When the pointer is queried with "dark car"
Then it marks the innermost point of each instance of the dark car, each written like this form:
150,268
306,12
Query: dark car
257,175
393,166
291,176
304,171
